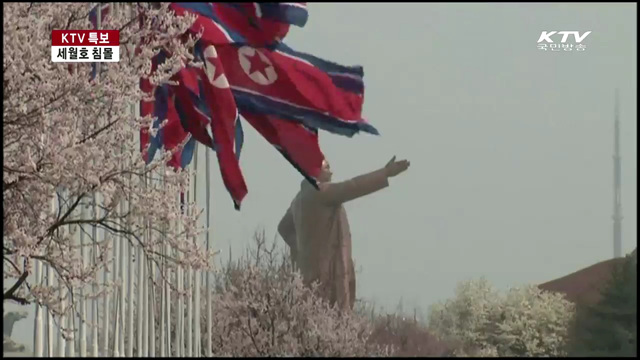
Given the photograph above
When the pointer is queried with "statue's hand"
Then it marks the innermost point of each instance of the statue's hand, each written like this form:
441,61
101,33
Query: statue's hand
394,167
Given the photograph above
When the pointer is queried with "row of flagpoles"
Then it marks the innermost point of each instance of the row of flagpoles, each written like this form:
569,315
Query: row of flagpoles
127,316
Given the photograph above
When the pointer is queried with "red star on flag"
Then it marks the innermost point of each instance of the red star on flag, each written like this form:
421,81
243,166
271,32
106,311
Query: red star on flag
257,65
212,63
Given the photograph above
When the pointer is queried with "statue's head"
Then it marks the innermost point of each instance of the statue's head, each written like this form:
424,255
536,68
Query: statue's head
325,172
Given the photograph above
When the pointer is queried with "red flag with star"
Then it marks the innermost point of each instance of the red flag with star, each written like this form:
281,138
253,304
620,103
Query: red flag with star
298,144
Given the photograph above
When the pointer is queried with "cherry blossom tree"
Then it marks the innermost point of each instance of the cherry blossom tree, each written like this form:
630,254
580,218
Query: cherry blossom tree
524,321
72,141
262,308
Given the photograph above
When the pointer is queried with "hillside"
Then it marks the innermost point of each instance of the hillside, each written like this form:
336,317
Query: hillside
583,285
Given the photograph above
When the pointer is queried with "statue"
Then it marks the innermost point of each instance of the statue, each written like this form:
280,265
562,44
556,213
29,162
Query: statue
316,229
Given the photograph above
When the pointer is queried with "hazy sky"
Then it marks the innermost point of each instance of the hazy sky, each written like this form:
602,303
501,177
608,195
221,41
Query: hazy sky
510,146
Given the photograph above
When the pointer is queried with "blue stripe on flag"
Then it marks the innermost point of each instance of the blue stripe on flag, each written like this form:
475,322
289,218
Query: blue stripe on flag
252,102
324,65
239,137
286,13
160,112
349,78
93,14
93,18
207,10
187,152
348,83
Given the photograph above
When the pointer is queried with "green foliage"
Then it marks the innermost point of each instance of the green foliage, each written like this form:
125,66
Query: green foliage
609,328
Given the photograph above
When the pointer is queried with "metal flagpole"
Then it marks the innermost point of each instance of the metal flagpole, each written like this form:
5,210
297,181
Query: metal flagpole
105,271
180,313
83,301
94,301
49,315
123,280
105,306
130,294
116,251
130,263
163,301
153,305
165,316
95,308
49,282
140,289
119,345
38,322
140,282
61,322
189,286
208,239
144,309
70,346
152,293
197,276
167,276
131,267
189,327
164,332
38,329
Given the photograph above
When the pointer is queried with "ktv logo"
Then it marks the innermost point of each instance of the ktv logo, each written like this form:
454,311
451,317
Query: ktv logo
546,40
546,36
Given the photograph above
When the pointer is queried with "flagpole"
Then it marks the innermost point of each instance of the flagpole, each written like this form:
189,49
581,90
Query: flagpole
140,291
105,270
208,239
190,278
164,296
123,280
180,313
152,291
83,301
38,341
163,300
38,321
167,276
71,320
49,315
119,345
116,251
49,283
131,294
144,310
189,299
152,276
61,321
197,276
94,301
95,305
131,265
